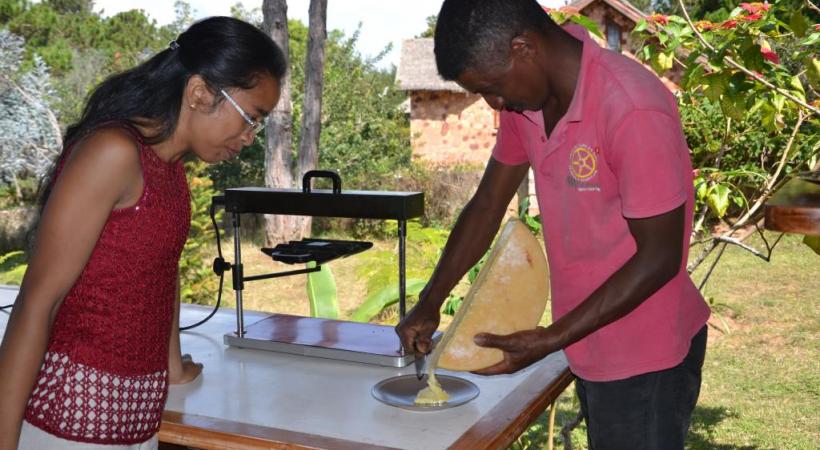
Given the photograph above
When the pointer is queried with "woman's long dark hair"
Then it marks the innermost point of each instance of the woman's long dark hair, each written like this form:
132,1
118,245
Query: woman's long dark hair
225,52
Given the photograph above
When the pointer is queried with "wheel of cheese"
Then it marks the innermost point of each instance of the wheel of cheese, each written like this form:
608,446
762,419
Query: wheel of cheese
509,295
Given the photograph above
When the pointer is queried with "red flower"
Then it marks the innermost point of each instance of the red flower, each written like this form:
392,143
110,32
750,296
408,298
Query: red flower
817,27
754,8
729,24
659,19
752,17
769,55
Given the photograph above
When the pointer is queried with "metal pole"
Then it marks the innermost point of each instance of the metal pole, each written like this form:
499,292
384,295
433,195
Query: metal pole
237,275
402,269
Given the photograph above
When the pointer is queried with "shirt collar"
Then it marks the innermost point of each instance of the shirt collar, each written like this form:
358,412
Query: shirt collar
589,53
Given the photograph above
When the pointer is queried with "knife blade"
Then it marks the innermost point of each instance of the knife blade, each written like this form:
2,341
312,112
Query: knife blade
419,363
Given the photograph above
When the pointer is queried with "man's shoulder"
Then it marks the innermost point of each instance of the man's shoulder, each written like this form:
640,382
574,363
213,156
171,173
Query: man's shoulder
624,85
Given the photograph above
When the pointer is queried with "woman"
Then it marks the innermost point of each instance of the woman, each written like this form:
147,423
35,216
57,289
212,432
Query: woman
93,339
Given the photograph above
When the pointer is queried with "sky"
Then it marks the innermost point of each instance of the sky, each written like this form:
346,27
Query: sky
382,21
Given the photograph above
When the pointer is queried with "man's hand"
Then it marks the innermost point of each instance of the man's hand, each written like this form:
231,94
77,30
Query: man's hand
416,329
521,349
185,372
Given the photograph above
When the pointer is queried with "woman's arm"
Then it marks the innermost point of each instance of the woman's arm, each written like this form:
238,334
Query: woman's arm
102,173
181,368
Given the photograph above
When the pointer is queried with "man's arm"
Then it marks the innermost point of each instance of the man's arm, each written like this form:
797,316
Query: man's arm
469,239
657,260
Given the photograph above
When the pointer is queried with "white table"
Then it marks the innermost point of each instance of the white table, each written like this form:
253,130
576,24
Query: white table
257,399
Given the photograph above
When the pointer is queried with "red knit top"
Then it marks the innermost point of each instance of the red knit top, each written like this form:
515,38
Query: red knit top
104,376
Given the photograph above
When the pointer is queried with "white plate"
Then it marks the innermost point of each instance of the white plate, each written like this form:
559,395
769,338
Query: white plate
401,392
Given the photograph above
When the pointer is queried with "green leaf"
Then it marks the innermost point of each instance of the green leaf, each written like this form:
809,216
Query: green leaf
797,88
718,199
778,101
665,60
472,274
756,106
813,242
813,71
701,188
640,26
647,52
587,23
321,289
377,302
799,24
739,200
811,40
733,105
715,84
452,304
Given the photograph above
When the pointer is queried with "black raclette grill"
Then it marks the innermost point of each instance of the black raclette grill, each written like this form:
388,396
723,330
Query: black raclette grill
334,202
398,206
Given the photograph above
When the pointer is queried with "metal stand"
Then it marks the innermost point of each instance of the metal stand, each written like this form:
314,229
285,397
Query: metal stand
402,269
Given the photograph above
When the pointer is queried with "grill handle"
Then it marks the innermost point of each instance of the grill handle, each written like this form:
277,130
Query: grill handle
310,174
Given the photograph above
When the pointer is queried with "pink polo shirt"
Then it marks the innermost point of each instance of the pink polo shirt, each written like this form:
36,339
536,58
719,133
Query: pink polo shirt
619,152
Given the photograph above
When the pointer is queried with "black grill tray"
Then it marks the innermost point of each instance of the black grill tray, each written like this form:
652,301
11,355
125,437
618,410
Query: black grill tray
317,250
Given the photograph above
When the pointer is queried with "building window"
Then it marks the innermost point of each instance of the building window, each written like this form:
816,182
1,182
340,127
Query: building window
613,36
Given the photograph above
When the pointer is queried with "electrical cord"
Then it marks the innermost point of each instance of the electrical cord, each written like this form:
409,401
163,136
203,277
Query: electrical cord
219,266
10,305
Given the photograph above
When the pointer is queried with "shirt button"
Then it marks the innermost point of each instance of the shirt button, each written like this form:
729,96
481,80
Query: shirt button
543,139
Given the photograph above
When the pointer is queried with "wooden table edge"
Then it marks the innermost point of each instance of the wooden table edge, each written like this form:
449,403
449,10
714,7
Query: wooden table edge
506,421
210,433
790,219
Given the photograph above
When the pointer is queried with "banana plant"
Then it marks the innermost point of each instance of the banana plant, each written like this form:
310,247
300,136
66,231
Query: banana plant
321,290
378,301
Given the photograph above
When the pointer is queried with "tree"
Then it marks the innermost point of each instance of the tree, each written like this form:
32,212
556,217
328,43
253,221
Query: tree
279,130
29,133
314,83
431,27
72,6
279,157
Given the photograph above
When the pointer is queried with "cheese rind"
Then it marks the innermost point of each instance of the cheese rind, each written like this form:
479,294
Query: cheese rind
509,295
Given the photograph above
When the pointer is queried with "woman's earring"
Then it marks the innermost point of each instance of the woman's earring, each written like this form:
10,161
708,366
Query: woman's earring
193,106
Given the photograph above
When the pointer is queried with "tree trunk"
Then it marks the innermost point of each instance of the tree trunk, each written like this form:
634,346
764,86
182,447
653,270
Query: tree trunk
314,82
279,131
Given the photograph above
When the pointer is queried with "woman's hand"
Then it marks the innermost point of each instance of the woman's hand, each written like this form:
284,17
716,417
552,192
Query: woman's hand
185,371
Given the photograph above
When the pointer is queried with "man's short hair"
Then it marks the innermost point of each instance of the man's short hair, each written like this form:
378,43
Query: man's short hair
477,33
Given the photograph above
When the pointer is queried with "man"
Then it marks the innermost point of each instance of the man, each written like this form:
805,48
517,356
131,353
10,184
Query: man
613,181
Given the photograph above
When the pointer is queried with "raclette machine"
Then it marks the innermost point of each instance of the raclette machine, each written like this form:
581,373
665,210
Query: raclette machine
309,336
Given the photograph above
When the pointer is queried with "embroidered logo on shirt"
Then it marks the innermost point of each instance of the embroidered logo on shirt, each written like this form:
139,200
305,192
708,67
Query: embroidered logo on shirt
583,165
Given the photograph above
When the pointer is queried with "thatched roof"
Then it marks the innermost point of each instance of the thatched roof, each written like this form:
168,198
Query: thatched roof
417,68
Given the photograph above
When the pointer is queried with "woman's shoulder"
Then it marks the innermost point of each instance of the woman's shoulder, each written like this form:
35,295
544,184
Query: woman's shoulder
113,145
